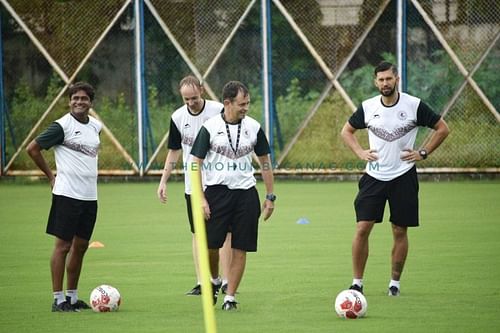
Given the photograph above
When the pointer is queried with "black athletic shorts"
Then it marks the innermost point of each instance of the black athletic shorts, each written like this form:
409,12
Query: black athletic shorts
189,211
401,192
235,211
70,217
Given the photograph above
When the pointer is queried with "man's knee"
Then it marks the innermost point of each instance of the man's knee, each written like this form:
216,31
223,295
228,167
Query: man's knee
62,246
363,229
399,232
79,245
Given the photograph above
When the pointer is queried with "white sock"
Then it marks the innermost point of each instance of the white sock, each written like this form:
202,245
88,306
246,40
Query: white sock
59,297
229,298
395,284
358,282
215,281
73,294
224,282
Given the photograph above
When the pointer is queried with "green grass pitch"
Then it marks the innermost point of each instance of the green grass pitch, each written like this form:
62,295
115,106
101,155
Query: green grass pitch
450,282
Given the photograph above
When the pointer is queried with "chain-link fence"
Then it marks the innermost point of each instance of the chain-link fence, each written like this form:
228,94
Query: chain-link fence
323,53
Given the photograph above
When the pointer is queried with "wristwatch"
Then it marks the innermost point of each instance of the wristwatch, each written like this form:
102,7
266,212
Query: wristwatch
271,197
423,153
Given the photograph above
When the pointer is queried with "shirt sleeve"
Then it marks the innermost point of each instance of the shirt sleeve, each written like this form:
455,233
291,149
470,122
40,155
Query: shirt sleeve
262,146
174,137
201,144
357,119
53,135
425,116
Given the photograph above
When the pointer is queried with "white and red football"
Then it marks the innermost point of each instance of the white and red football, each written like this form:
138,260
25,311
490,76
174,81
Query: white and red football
105,298
350,304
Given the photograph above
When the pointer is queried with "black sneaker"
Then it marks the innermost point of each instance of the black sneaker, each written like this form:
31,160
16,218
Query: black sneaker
63,307
357,288
229,306
393,291
196,291
79,305
215,290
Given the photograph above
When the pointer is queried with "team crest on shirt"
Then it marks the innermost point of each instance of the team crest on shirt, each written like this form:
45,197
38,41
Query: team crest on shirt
245,133
402,115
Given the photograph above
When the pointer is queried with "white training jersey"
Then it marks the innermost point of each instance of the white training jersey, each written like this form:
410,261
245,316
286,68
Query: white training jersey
227,151
76,148
184,126
391,130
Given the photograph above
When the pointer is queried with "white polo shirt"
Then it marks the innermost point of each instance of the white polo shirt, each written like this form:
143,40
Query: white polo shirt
392,129
228,155
184,126
76,146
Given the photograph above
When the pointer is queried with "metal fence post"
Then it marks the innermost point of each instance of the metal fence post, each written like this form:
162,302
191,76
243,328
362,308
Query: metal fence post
267,81
402,24
2,107
141,91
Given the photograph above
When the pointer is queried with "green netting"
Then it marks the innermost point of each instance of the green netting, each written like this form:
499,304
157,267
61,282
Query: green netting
185,36
320,146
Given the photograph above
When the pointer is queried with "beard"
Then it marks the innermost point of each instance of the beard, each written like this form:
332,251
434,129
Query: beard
388,91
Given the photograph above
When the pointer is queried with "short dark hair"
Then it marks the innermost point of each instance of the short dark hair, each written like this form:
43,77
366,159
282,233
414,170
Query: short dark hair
385,65
76,87
190,80
231,90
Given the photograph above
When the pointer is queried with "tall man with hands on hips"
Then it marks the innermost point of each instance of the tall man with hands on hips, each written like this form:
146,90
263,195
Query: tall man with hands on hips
392,119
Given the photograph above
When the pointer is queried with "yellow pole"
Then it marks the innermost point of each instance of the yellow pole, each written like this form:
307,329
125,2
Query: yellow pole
201,242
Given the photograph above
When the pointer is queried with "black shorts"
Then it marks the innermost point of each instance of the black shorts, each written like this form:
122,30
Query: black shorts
235,211
70,217
189,211
401,192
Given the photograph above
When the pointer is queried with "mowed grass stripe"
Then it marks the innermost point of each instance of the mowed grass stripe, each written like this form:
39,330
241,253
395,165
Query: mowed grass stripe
449,283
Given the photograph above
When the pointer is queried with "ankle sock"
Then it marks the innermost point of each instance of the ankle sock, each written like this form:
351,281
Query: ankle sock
59,297
358,282
73,295
395,284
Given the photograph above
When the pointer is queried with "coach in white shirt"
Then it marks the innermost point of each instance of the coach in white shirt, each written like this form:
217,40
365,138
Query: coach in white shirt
223,150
